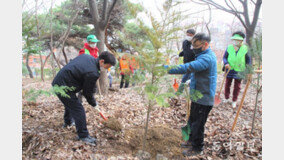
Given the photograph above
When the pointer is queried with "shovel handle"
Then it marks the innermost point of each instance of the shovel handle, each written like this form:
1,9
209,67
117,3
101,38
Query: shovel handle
101,113
226,73
241,104
103,116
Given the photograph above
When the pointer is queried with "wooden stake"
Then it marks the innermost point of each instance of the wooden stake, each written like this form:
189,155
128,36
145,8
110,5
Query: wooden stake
241,104
226,73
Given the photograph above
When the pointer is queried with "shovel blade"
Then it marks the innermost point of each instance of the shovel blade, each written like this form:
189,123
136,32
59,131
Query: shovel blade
217,101
185,131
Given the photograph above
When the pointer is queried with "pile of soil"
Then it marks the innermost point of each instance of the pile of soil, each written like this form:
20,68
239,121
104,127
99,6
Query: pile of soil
160,140
113,124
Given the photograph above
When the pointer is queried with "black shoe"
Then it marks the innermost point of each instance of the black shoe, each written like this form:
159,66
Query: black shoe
192,152
65,125
186,144
89,139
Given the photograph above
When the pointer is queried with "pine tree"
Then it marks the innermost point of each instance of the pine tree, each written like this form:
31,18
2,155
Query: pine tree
153,52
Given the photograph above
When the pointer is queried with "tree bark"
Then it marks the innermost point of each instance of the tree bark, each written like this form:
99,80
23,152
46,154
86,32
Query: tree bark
28,66
100,23
41,68
103,80
249,35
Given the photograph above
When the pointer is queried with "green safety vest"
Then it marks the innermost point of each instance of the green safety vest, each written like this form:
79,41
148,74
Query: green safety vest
87,52
237,61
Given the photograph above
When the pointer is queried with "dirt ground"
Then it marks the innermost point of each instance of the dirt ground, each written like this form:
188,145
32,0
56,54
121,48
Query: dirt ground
121,136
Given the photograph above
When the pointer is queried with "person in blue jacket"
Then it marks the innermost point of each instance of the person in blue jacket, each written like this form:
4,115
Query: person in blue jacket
203,79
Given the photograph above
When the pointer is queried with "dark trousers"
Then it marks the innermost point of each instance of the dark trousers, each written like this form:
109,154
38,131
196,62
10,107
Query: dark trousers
126,79
237,88
74,109
197,119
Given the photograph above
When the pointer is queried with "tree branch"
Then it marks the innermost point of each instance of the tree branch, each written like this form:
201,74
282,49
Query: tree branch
246,13
256,13
109,11
253,2
94,10
233,9
219,6
207,24
104,10
241,1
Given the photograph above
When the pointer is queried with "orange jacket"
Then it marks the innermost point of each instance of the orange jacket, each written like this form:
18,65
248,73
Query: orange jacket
124,65
134,64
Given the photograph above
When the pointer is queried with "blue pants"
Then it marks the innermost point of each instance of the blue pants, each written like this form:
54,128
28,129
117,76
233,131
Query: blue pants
185,77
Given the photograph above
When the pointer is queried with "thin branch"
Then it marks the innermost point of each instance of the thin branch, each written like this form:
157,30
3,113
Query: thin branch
207,24
219,6
235,8
253,2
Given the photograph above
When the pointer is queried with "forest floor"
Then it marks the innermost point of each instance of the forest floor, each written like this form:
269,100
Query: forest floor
121,136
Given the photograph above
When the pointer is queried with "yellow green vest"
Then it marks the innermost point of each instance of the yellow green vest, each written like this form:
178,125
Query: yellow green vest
237,61
87,51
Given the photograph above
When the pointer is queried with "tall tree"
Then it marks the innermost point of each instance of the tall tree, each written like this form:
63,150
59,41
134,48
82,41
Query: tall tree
242,14
100,23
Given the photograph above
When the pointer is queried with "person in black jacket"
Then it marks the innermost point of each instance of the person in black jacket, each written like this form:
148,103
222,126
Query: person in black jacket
81,73
188,56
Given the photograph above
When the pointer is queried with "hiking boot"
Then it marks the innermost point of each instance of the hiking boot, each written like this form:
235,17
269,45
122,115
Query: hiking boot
65,125
234,104
89,139
192,152
186,144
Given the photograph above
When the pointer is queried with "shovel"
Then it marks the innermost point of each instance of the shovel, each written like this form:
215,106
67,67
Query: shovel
217,100
185,131
101,113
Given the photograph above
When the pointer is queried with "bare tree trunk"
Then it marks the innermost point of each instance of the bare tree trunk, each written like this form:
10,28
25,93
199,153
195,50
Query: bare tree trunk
249,35
103,80
41,68
53,67
100,23
28,66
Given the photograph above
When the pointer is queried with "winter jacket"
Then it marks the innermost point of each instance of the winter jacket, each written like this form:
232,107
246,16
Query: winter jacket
187,52
124,65
93,51
82,73
134,63
203,76
232,73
